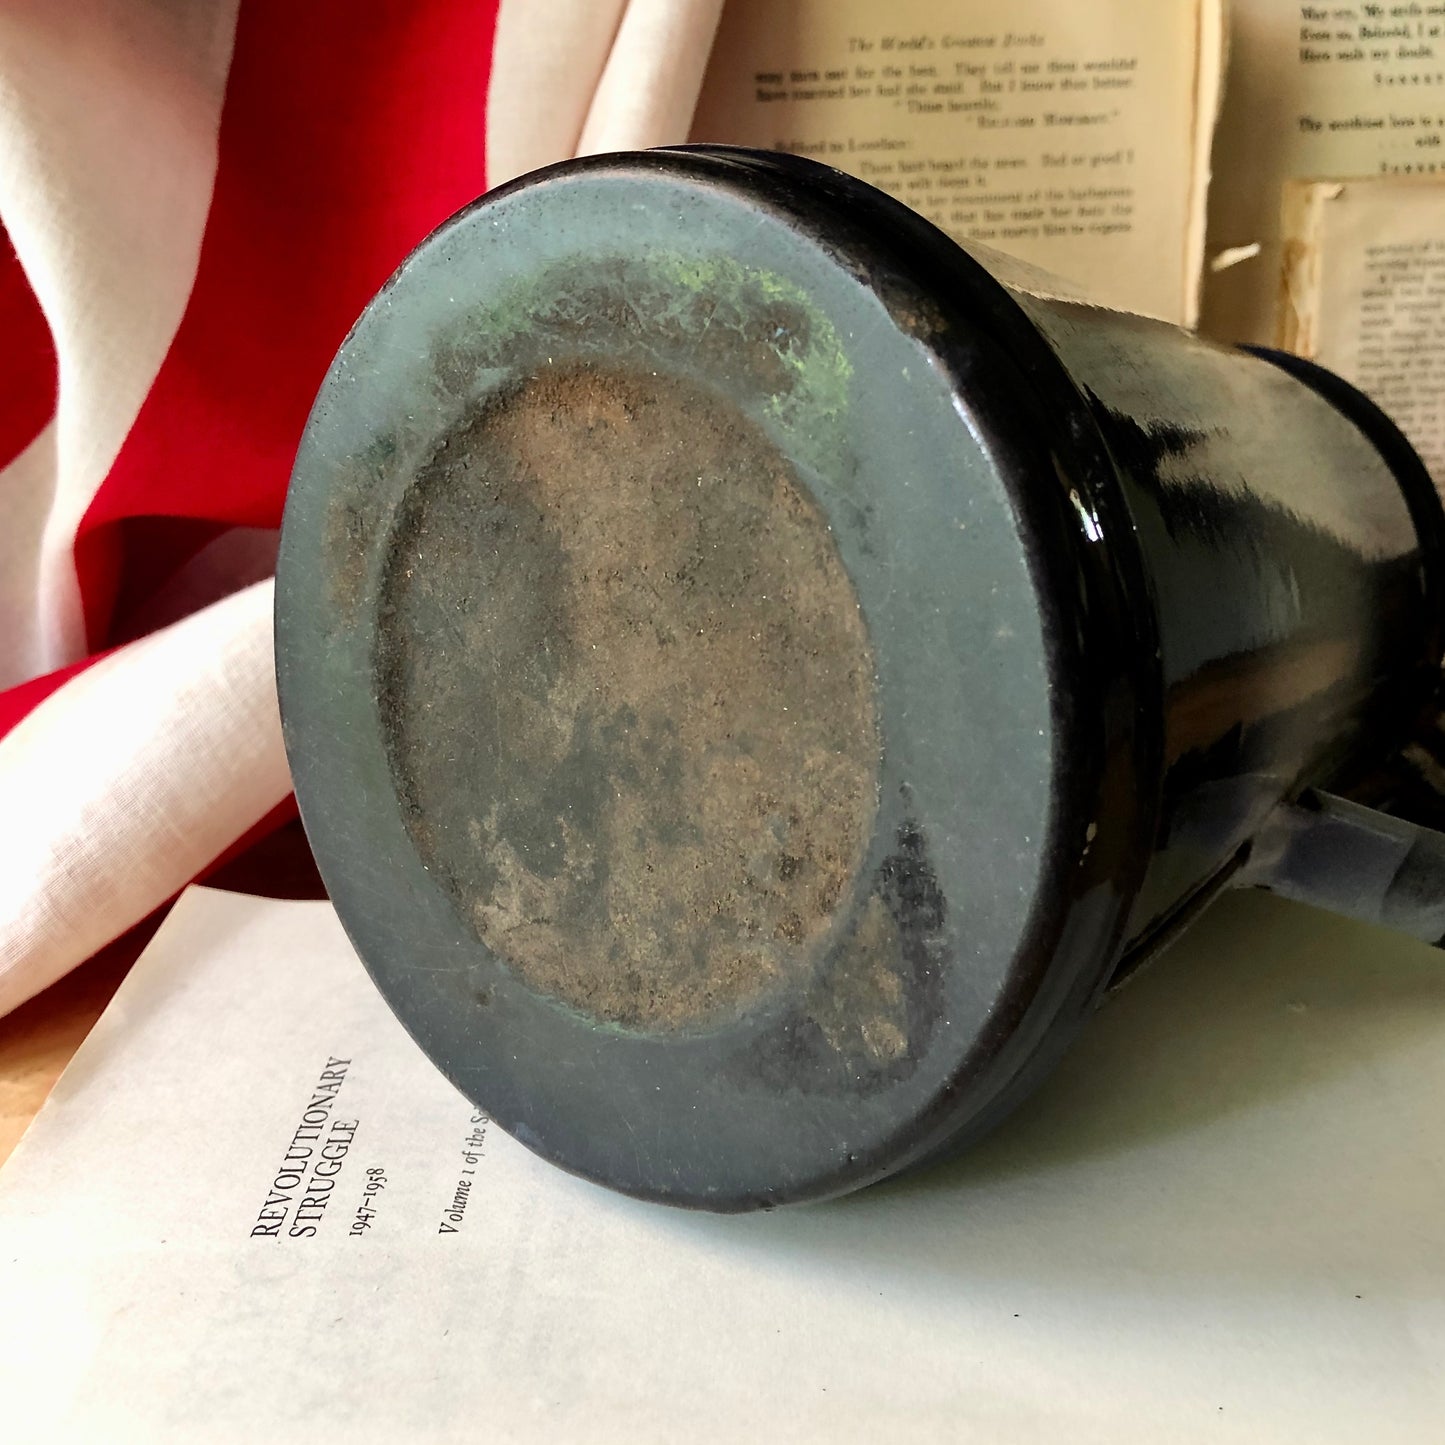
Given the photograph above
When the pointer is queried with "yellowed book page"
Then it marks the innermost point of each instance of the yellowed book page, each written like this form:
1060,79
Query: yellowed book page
1065,132
1379,308
1297,309
1314,90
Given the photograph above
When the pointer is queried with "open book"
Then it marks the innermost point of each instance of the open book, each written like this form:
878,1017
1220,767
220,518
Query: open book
253,1211
1316,90
1364,294
1080,135
1074,136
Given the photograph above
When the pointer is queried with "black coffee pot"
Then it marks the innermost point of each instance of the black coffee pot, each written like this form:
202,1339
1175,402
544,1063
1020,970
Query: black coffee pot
757,673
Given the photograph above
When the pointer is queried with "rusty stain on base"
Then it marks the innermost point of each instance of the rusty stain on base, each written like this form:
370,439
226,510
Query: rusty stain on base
628,698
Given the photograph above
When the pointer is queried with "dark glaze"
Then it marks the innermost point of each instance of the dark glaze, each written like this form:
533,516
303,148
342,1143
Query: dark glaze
1298,623
1191,585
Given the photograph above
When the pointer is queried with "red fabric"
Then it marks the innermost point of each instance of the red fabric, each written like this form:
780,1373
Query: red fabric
27,359
347,134
148,552
278,817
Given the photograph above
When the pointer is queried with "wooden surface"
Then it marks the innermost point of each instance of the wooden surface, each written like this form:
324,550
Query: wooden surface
38,1039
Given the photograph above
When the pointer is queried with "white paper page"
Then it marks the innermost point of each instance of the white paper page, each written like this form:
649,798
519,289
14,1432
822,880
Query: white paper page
1224,1220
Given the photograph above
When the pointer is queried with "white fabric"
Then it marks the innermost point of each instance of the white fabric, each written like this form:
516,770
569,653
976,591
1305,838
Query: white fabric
653,76
109,112
573,78
129,780
547,58
135,774
27,487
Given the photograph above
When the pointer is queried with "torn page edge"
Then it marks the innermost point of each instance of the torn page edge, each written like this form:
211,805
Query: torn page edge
1210,58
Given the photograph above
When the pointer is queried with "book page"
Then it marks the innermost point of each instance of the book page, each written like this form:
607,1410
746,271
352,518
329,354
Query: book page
1315,89
1064,132
1368,297
253,1211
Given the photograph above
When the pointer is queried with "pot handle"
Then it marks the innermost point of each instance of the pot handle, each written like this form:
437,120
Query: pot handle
1353,860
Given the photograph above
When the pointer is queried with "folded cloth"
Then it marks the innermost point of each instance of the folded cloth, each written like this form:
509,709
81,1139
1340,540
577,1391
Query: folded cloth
198,198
